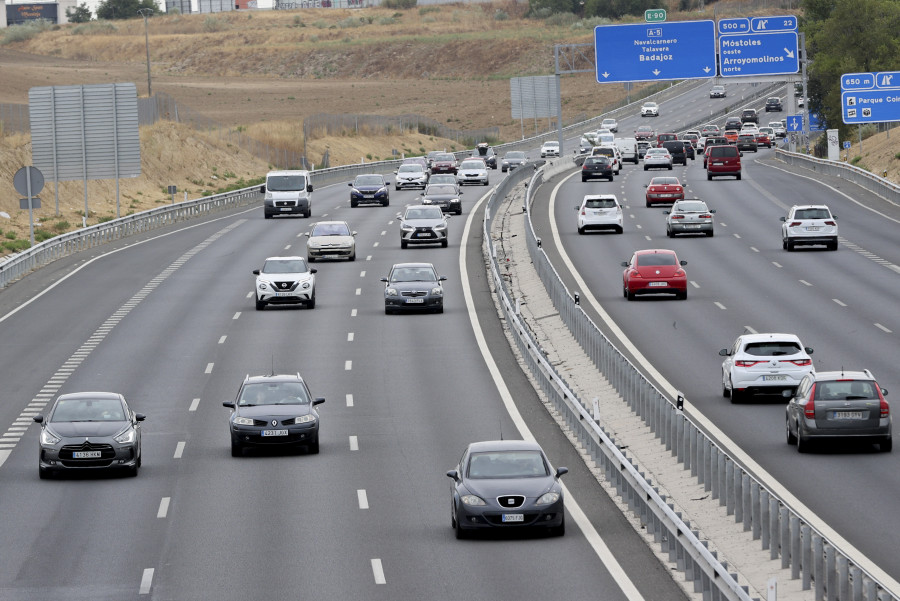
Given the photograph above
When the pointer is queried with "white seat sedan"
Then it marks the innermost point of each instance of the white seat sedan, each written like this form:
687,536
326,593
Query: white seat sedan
600,212
657,158
809,225
472,171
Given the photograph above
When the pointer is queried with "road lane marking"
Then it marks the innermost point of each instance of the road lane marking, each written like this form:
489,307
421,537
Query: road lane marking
362,274
349,336
194,404
695,284
839,302
146,581
378,571
362,498
804,282
222,339
354,443
353,313
719,305
358,291
349,400
288,247
179,450
163,507
236,315
881,327
754,249
369,258
776,264
209,368
348,365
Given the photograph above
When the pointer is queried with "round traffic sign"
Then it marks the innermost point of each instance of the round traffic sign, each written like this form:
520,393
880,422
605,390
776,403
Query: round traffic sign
20,180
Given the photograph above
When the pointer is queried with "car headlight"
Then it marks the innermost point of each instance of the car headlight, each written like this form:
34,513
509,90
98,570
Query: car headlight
437,291
305,285
390,292
354,191
472,500
48,437
126,436
262,285
305,419
548,498
406,227
268,196
441,227
243,421
381,190
312,244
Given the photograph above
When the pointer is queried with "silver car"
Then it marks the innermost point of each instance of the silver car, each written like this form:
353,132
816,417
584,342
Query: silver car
809,225
835,405
331,240
413,286
657,158
473,171
423,224
689,216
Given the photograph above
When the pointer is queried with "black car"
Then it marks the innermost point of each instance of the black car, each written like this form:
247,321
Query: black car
274,411
512,159
689,150
484,151
369,188
749,116
773,104
747,142
506,485
733,123
599,166
88,431
445,196
677,150
413,286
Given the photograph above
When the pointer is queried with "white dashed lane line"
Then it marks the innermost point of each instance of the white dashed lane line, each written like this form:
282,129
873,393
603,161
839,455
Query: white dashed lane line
362,274
378,571
369,258
179,450
882,328
754,249
695,284
353,313
719,305
348,365
349,400
222,339
194,404
163,507
362,498
804,282
384,233
838,301
776,264
146,582
209,368
354,443
349,336
238,314
358,291
375,245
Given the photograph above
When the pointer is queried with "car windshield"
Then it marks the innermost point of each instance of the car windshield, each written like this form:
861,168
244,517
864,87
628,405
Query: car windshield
665,181
441,189
644,128
285,183
445,157
368,180
411,168
551,143
515,154
650,105
472,165
284,266
273,393
772,348
88,410
507,464
811,214
331,229
424,213
690,207
656,259
422,273
845,390
599,203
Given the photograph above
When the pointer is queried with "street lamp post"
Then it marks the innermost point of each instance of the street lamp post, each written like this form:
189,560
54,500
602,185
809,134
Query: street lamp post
145,12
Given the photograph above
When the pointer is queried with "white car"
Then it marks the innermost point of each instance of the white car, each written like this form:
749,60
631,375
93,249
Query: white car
411,176
472,171
600,212
764,363
550,148
650,109
330,240
611,124
749,128
657,158
778,126
809,225
285,281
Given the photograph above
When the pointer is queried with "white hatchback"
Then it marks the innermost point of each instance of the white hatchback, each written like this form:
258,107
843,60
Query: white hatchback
809,225
764,363
600,212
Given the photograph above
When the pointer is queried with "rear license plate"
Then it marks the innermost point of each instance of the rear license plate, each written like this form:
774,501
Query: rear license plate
86,455
658,284
665,195
274,433
513,517
847,415
415,301
692,225
777,378
813,228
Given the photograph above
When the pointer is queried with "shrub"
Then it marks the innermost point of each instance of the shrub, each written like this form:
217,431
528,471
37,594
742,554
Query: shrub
79,14
387,20
500,15
399,4
350,22
16,245
424,10
95,27
867,131
897,156
61,226
22,33
40,234
298,22
855,160
561,20
212,24
321,24
10,235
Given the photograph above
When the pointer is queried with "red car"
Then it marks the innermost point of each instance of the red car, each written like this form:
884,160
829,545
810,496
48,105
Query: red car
644,132
665,138
444,163
762,139
655,271
664,190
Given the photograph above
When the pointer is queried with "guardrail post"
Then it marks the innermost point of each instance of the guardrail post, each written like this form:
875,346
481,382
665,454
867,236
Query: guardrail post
806,556
819,566
746,502
796,554
843,576
831,585
785,524
729,486
774,538
764,517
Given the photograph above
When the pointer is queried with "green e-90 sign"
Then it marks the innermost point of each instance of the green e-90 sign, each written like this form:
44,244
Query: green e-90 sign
655,15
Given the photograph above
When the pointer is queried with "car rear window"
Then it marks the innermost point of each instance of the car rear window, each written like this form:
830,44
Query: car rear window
772,348
600,203
656,259
845,390
723,151
811,214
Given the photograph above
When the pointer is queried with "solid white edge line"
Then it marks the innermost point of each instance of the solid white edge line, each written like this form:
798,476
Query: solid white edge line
738,454
590,533
378,571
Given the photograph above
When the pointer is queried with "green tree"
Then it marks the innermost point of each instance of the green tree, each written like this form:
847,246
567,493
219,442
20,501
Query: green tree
124,9
541,7
79,14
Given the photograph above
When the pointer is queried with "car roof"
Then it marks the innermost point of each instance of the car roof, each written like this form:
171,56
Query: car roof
89,395
796,207
843,375
396,265
654,251
504,445
273,378
288,172
766,337
599,197
330,223
284,258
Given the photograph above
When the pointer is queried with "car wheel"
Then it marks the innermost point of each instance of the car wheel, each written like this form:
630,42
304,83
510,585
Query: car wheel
631,295
236,449
620,229
833,245
738,176
803,443
387,310
403,244
670,167
784,243
581,230
681,295
737,396
886,445
311,259
353,256
710,234
789,245
44,474
308,213
132,471
459,211
444,243
354,204
791,439
439,309
559,530
387,202
396,187
487,183
709,177
313,447
645,167
460,532
260,305
726,392
311,304
669,233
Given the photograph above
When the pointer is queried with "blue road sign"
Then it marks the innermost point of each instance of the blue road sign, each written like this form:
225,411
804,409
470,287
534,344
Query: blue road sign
769,24
655,51
758,54
795,123
727,26
870,97
847,145
816,123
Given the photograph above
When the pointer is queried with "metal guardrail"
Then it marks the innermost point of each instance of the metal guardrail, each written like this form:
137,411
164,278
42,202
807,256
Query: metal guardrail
865,179
781,530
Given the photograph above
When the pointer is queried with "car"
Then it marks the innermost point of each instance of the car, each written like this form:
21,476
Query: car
370,188
413,286
484,151
550,148
665,137
287,193
642,147
763,139
610,124
506,485
512,160
773,103
723,160
836,405
749,128
690,216
746,142
421,161
692,136
89,432
273,411
330,240
443,178
654,271
612,153
423,224
717,92
446,196
689,150
749,115
731,136
676,149
650,109
473,171
733,123
715,141
807,225
444,162
663,190
628,149
801,102
644,132
597,167
285,281
429,158
585,144
411,175
779,127
710,129
767,363
600,212
657,158
769,133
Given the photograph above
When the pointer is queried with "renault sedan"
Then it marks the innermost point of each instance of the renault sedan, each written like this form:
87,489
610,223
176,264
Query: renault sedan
663,190
506,485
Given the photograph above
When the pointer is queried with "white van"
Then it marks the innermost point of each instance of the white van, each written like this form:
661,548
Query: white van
288,193
628,148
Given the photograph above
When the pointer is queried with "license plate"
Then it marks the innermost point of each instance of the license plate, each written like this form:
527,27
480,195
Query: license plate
424,235
415,301
665,195
284,294
778,378
813,228
274,433
847,415
658,284
285,209
692,226
513,517
368,196
86,455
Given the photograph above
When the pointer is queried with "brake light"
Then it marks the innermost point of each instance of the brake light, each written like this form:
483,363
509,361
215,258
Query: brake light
583,212
677,216
800,362
795,223
744,363
830,223
705,216
885,408
809,410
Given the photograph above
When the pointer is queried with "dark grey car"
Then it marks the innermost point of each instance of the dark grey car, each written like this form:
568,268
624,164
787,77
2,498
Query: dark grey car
445,196
835,405
506,484
413,286
87,431
512,159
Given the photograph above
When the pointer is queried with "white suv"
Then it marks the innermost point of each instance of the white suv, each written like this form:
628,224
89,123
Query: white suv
598,212
764,363
650,109
550,148
285,280
809,225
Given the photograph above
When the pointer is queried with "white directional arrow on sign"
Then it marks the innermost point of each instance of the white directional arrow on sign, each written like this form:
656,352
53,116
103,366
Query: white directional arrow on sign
656,71
790,53
605,74
706,69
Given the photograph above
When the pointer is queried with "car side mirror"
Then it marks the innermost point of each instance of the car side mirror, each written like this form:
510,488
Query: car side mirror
624,263
262,189
561,470
787,394
740,154
384,279
256,272
306,234
453,474
683,263
229,404
39,419
352,233
808,350
443,278
318,400
309,187
712,210
884,392
313,270
350,184
139,417
724,352
387,183
665,212
399,216
646,185
782,219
